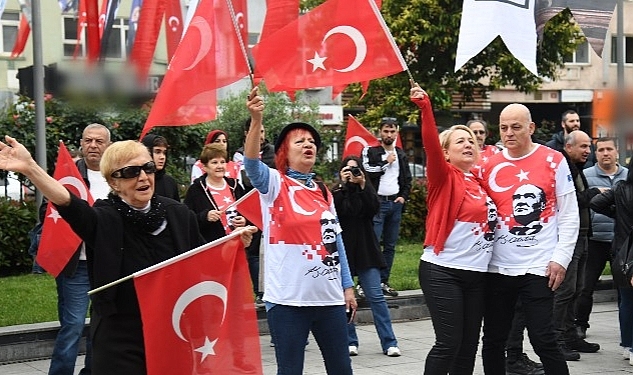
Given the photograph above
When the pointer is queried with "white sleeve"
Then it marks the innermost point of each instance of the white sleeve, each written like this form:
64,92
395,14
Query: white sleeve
568,226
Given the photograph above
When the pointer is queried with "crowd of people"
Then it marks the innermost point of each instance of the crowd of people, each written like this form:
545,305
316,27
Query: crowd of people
517,235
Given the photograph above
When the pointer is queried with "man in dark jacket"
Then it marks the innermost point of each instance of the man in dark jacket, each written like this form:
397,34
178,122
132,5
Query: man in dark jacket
164,184
605,174
389,174
577,149
73,283
570,121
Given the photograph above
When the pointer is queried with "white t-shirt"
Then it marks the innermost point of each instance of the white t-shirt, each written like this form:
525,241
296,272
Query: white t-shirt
389,180
298,271
99,189
469,246
526,192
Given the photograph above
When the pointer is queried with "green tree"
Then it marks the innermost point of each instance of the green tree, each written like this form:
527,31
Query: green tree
427,32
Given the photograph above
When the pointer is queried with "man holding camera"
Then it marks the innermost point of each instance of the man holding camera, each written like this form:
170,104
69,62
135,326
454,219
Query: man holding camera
388,171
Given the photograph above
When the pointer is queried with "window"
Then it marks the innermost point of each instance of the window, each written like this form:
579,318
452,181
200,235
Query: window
116,40
580,56
10,22
628,50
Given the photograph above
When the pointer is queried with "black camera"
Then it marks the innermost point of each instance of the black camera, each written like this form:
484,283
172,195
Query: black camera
355,171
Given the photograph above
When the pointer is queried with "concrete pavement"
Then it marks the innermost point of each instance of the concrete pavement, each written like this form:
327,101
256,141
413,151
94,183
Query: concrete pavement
415,339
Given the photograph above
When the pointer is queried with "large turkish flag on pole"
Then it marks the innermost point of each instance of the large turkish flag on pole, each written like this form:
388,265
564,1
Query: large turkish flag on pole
329,46
58,242
198,312
357,137
208,57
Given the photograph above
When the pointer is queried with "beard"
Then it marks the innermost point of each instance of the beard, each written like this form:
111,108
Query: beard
387,141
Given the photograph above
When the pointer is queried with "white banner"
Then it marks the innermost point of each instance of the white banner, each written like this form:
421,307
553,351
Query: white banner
484,20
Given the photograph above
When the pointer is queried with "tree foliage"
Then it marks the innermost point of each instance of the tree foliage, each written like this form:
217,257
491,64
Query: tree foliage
427,32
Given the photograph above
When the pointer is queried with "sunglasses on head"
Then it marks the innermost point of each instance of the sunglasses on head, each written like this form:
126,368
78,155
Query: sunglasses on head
134,170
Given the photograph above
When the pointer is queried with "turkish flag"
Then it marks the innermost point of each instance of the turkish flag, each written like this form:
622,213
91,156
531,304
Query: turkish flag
173,26
146,36
329,46
208,57
93,40
58,242
357,138
279,13
198,312
250,207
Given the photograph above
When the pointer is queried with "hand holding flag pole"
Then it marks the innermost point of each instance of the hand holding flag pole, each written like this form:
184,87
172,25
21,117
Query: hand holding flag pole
246,233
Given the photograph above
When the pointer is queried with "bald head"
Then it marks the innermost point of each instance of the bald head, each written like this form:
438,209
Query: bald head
516,128
578,146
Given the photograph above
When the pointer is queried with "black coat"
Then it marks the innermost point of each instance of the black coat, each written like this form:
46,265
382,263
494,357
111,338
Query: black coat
198,201
356,209
166,186
617,203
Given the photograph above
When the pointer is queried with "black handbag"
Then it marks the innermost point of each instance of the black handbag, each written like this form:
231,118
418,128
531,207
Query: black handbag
622,264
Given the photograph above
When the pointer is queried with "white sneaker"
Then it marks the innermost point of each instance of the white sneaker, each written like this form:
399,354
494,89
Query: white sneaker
393,351
626,352
353,350
631,358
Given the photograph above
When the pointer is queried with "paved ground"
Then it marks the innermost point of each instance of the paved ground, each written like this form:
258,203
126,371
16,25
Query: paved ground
415,339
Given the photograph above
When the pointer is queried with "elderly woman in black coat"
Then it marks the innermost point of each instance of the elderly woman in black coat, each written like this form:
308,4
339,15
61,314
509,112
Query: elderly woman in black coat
356,204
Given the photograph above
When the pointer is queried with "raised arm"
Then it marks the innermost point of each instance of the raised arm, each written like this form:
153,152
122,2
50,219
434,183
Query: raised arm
437,167
16,158
255,106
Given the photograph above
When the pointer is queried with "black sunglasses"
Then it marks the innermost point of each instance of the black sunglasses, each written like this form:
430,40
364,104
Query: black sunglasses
133,171
389,120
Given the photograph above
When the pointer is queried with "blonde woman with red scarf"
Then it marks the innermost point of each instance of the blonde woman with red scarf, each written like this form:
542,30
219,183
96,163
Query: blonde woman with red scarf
458,244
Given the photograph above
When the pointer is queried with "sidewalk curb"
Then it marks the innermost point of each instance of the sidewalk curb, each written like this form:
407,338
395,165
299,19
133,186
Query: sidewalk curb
35,341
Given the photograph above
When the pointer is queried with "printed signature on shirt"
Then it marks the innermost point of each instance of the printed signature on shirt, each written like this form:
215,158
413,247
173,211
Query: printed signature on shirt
521,241
317,271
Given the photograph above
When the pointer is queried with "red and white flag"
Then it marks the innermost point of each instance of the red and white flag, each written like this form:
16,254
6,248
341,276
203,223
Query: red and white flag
146,35
208,57
198,312
357,138
58,242
329,46
173,26
250,207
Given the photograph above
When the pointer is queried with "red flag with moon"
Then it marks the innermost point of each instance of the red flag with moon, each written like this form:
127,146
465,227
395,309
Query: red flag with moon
58,242
357,137
198,312
329,46
208,57
173,26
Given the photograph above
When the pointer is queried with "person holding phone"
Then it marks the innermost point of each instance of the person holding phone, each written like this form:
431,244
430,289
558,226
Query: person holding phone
357,203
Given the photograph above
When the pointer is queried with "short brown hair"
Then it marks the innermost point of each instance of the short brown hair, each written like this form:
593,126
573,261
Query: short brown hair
212,151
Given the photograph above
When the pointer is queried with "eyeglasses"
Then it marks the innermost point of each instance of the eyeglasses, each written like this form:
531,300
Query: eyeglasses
327,221
133,171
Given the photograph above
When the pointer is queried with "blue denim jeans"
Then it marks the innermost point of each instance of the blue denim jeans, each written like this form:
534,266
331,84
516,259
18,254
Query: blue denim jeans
369,279
289,328
72,306
625,309
387,228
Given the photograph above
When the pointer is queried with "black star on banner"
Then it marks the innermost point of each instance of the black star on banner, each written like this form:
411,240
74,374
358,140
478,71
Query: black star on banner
592,16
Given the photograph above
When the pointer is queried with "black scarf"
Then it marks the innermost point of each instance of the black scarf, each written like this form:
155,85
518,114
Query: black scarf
143,221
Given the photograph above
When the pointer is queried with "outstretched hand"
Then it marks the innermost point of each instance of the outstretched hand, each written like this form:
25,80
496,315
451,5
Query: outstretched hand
14,156
418,95
255,104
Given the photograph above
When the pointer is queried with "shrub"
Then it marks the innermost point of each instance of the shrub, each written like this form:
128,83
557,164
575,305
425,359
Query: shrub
412,226
16,220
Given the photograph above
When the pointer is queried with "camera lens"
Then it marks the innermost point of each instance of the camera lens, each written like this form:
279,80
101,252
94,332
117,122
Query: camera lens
355,171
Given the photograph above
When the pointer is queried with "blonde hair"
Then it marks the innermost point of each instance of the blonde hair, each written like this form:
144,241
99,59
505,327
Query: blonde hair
118,154
445,138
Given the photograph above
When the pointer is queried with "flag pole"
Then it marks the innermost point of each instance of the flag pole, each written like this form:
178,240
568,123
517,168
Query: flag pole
242,199
171,260
236,27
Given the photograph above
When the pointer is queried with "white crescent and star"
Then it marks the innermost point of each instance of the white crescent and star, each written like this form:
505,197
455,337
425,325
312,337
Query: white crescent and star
492,179
295,206
239,19
356,139
201,289
174,23
206,37
359,41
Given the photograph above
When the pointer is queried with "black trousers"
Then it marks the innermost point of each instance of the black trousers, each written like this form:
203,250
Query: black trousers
455,299
599,253
538,301
567,293
514,344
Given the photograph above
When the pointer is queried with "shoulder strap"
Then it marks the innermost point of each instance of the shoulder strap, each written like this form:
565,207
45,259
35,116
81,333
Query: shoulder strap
323,190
